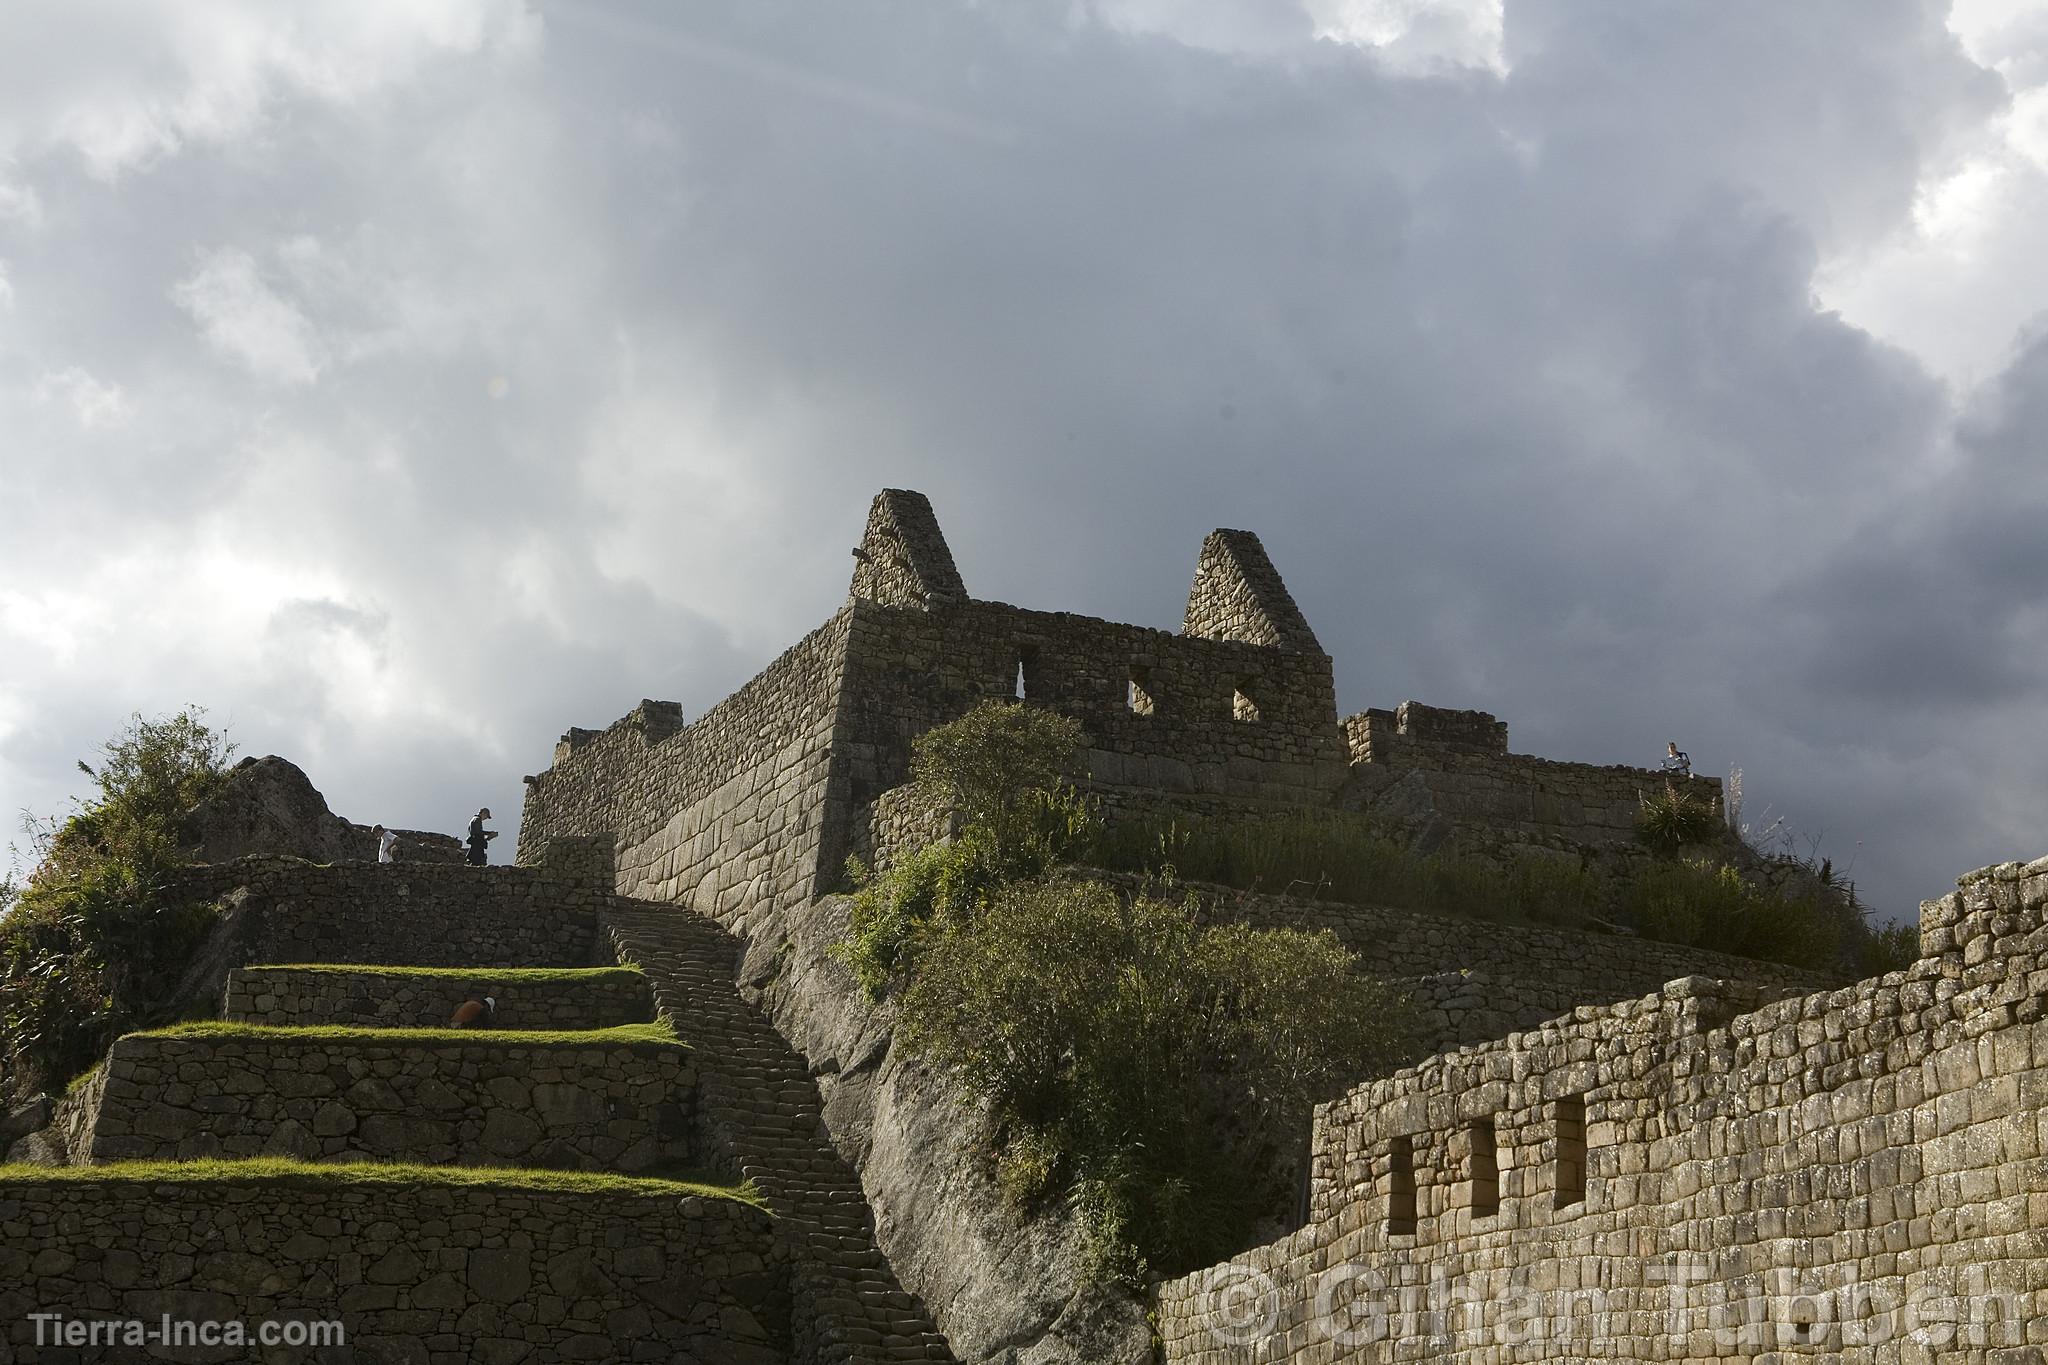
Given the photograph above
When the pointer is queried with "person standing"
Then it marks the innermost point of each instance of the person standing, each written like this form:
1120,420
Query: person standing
480,838
1677,760
387,845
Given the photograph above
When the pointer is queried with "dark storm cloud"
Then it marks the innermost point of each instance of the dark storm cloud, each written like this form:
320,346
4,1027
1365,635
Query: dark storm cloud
503,370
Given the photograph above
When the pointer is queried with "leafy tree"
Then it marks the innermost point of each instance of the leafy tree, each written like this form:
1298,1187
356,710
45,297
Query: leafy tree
91,945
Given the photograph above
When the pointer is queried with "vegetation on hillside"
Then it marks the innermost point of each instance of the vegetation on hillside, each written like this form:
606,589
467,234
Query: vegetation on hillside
90,947
1131,1060
1696,900
1344,856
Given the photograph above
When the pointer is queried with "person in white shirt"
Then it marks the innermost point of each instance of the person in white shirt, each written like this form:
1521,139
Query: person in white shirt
387,845
1677,760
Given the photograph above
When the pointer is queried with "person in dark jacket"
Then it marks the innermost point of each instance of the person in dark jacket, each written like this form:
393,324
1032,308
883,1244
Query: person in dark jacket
480,838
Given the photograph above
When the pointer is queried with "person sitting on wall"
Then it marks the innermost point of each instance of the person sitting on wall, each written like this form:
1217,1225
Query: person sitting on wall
480,838
1677,760
387,845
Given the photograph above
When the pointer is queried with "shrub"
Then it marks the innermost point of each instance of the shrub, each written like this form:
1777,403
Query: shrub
1003,767
91,948
994,765
1668,822
1137,1061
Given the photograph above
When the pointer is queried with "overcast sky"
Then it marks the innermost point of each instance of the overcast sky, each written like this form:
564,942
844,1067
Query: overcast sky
406,383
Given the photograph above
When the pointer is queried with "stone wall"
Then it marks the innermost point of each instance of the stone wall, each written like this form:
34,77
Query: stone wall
287,911
1238,595
1182,730
903,559
486,1099
484,1270
1506,802
723,813
1696,1175
288,997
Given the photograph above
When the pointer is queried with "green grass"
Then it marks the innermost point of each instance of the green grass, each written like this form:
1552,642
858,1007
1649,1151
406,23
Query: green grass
657,1034
511,976
361,1174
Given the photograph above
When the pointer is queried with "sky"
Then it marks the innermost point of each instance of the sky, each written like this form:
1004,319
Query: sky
408,383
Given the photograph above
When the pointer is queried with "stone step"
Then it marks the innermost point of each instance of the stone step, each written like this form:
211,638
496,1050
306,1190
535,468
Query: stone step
427,997
759,1093
620,1099
409,1264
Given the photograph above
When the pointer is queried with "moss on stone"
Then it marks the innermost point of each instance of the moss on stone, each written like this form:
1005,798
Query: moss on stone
279,1170
657,1034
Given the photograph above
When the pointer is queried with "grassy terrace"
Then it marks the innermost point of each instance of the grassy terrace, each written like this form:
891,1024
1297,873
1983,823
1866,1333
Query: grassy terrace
369,1175
656,1035
511,976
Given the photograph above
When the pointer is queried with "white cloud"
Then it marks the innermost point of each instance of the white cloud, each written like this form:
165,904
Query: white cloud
124,82
20,204
1418,35
97,405
1961,280
555,378
243,318
6,289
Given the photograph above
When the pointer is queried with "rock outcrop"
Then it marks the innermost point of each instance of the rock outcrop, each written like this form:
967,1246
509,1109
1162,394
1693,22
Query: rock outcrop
270,806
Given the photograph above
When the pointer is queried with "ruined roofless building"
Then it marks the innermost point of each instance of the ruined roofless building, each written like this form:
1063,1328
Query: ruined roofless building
763,797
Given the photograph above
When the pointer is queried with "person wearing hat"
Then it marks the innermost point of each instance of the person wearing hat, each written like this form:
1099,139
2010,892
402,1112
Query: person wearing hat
480,838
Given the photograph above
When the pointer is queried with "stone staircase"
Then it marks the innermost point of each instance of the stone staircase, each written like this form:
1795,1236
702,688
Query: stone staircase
330,1152
761,1103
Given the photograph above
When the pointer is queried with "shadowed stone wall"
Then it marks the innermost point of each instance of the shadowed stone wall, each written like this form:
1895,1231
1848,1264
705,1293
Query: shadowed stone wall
1696,1175
495,1100
286,997
284,911
484,1272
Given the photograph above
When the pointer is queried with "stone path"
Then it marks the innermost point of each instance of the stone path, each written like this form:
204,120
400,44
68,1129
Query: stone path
758,1096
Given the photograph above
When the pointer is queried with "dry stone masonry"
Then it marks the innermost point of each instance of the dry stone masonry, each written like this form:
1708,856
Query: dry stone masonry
1708,1173
446,1099
498,1270
1609,1121
747,814
374,997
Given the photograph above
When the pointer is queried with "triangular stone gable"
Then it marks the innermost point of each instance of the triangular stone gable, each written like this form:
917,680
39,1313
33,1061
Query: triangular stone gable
1239,595
903,560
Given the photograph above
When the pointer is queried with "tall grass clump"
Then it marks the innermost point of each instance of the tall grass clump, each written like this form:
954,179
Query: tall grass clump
1346,856
90,947
1671,819
1707,906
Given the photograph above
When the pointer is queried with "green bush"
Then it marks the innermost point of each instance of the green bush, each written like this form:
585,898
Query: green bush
1673,819
1137,1061
1003,768
996,765
90,948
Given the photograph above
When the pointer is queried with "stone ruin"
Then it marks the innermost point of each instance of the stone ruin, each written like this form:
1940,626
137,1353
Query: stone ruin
1620,1150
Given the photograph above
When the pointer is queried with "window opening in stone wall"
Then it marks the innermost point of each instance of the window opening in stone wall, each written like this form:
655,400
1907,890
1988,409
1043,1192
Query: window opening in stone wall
1027,671
1401,1188
1571,1150
1139,694
1485,1167
1242,707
